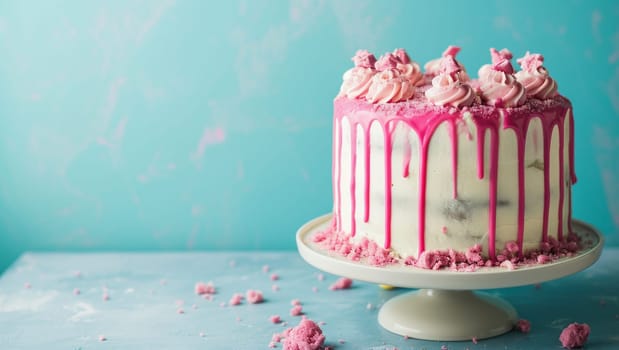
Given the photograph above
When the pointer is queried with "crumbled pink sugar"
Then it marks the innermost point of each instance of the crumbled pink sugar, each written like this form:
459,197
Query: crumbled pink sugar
296,310
523,326
102,338
342,244
202,288
275,319
307,335
236,299
254,296
180,311
105,297
295,302
274,277
575,335
342,283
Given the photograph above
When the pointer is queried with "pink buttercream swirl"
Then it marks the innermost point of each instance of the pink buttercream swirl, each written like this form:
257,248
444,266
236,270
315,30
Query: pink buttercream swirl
390,86
499,86
448,88
433,67
535,78
408,68
356,82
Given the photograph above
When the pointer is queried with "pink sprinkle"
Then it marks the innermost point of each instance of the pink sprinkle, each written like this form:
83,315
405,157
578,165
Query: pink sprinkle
180,311
102,338
523,326
305,336
342,283
321,277
444,229
295,302
275,287
105,297
296,310
202,288
265,268
274,277
76,291
575,335
275,319
254,296
236,299
27,285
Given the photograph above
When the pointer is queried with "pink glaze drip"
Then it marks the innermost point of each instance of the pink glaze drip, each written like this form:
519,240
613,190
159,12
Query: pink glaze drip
353,177
453,134
366,154
406,164
388,132
338,192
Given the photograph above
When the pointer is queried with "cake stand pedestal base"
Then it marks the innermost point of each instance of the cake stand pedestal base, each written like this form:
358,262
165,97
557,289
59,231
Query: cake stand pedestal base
447,315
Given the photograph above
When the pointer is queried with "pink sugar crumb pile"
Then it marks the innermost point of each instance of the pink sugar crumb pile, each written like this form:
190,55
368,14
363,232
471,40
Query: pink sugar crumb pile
202,288
524,326
342,283
575,335
254,296
307,335
236,299
343,244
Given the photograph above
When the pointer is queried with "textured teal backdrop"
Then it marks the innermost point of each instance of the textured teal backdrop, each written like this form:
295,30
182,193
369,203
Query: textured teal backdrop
142,125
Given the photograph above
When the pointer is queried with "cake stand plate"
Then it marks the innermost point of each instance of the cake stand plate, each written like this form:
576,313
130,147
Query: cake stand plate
446,307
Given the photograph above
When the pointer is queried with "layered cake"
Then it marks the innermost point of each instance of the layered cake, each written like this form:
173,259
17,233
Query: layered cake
439,161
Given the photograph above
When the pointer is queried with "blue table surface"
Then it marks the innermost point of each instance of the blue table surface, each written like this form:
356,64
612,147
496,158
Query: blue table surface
146,291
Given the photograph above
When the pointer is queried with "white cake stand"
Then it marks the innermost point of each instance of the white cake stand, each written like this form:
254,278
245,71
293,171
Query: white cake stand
446,308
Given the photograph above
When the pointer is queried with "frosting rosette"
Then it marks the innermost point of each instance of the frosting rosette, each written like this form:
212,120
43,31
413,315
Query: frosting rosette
357,80
496,57
408,68
535,78
499,86
389,84
433,67
448,88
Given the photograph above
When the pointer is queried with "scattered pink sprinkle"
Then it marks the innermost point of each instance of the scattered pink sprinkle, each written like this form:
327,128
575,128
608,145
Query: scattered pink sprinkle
296,310
275,287
444,229
76,291
202,288
265,268
307,335
575,335
102,338
275,319
342,283
236,299
444,347
295,302
105,297
321,277
274,277
27,285
523,326
180,311
254,296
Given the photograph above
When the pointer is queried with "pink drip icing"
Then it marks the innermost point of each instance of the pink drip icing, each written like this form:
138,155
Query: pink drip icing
338,193
388,132
407,158
353,166
561,171
546,155
366,193
453,134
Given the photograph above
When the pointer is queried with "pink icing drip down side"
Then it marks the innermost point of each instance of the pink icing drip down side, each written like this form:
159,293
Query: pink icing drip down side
453,134
406,163
353,161
388,192
366,192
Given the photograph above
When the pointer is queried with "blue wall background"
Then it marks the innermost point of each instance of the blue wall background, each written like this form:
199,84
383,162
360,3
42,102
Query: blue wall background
144,125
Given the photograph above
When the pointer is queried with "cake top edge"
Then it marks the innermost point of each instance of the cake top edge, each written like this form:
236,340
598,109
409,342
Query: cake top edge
394,77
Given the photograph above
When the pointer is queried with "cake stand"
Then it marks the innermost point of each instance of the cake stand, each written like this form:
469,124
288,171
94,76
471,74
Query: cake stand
446,306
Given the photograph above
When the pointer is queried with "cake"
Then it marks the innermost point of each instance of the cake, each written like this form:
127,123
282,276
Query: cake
439,163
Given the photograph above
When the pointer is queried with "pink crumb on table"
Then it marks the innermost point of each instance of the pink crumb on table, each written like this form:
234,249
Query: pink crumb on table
180,311
295,302
105,297
102,338
236,299
307,335
575,335
254,296
76,291
275,319
296,310
342,283
274,277
523,326
202,288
